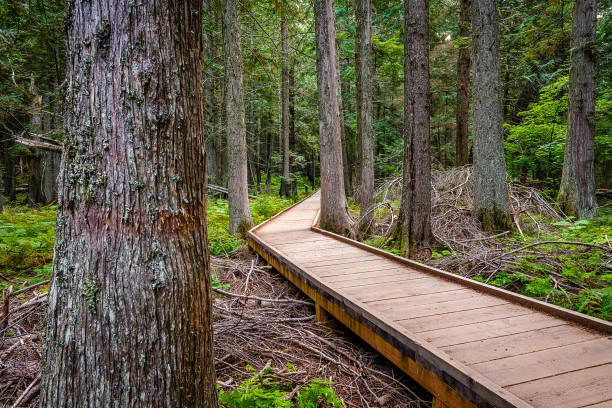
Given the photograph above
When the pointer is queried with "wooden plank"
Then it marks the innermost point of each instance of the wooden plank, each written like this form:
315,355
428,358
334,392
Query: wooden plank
590,387
472,304
340,261
356,276
390,304
326,272
380,279
528,367
496,343
460,319
390,291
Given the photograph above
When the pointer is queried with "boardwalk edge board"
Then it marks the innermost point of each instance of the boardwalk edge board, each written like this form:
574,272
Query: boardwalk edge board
563,313
452,383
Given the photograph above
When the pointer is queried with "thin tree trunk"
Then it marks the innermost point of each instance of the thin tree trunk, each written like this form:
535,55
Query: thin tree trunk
490,193
285,187
35,187
130,312
577,190
464,61
235,128
344,141
334,211
415,216
365,129
208,87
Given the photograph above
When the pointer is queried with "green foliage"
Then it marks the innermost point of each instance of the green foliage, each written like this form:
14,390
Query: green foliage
221,242
268,391
26,244
535,147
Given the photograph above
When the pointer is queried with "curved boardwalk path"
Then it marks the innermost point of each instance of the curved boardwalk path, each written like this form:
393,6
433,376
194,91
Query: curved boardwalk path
469,344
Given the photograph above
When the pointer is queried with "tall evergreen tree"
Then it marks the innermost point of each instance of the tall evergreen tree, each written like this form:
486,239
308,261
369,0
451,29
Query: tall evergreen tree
490,193
334,210
577,190
464,61
131,253
285,188
415,212
365,128
240,220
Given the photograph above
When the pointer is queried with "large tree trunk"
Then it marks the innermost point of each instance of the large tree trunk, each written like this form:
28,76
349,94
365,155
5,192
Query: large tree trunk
285,187
365,129
490,194
463,84
334,211
235,128
415,213
577,190
130,313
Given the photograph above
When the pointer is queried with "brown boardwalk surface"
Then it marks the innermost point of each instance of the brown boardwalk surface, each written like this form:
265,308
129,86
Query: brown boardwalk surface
467,343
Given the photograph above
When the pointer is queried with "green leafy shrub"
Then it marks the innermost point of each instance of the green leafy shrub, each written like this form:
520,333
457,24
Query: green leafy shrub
268,391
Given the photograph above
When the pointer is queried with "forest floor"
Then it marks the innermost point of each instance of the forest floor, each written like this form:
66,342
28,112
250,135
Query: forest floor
267,342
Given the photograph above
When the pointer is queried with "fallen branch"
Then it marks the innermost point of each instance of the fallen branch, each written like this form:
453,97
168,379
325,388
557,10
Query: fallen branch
247,297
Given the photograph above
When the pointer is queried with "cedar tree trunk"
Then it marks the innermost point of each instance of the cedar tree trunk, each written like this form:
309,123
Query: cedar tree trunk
464,61
577,190
365,129
285,188
130,314
491,204
235,127
334,211
415,214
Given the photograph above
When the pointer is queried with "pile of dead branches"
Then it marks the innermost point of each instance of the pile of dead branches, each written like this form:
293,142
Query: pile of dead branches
260,320
476,252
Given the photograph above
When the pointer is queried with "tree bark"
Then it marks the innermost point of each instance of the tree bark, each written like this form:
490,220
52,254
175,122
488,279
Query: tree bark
464,61
490,192
577,190
365,129
235,127
130,313
50,172
208,88
415,212
285,187
334,211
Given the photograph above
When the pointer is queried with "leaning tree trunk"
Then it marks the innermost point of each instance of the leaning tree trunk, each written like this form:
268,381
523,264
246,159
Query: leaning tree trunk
235,127
285,187
464,61
130,312
490,194
415,212
365,128
577,190
334,211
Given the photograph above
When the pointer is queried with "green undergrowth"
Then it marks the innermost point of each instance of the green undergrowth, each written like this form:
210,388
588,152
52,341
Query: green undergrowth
27,237
26,245
221,242
266,390
572,276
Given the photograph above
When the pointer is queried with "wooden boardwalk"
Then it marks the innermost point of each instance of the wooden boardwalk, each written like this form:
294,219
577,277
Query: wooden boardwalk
468,343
